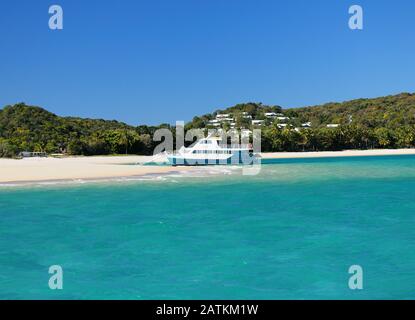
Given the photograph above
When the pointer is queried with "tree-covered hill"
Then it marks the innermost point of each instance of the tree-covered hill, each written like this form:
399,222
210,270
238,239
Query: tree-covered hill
28,128
385,122
390,111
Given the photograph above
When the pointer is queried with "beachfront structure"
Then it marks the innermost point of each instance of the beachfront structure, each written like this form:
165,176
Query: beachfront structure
282,125
306,125
28,154
333,125
283,118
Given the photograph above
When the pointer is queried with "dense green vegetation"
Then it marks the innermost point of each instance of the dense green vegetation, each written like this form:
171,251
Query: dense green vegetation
386,122
30,128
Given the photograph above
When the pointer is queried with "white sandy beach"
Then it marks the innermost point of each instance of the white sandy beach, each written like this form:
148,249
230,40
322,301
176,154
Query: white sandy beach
74,168
102,167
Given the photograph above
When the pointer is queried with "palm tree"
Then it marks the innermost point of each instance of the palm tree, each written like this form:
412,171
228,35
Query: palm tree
125,139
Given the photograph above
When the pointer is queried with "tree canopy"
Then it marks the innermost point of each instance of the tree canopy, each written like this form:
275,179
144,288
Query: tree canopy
385,122
28,128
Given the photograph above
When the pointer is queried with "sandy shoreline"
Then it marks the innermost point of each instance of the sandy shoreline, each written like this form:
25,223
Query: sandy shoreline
107,167
77,168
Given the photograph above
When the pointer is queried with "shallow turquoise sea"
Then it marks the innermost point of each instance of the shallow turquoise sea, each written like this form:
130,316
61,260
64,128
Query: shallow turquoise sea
291,232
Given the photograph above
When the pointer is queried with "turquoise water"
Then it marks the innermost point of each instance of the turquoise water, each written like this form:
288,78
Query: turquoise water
290,232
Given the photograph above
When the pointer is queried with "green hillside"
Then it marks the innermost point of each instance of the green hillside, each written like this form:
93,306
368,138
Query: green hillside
390,111
31,128
385,122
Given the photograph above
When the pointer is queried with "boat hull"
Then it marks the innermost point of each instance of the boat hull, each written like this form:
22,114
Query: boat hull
236,159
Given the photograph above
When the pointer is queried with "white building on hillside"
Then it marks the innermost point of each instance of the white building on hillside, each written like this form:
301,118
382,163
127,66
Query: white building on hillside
270,114
214,122
257,122
224,117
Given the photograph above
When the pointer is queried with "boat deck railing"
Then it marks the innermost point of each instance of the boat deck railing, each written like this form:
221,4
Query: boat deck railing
236,146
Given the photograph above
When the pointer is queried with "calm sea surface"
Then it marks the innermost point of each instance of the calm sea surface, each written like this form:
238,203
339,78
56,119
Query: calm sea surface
291,232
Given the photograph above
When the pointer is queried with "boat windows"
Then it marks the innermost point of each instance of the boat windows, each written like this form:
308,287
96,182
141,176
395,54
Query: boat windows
212,152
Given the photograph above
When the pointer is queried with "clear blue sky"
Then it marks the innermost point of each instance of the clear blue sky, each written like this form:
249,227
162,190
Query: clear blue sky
154,61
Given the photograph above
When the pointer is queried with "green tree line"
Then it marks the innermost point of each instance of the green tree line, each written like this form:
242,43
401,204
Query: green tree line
385,122
336,139
28,128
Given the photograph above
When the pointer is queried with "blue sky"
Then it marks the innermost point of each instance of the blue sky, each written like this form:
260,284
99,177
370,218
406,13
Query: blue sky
154,61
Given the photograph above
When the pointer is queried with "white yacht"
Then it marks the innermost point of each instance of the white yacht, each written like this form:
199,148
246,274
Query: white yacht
210,151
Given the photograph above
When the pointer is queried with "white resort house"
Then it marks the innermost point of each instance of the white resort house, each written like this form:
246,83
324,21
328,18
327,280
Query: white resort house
306,125
224,117
214,122
220,118
270,114
246,115
282,125
257,122
274,115
333,125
